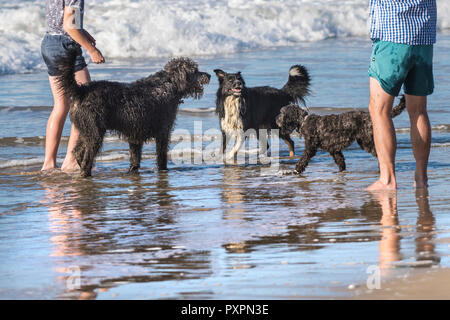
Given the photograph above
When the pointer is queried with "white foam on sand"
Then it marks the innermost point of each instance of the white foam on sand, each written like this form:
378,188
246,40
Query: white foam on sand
150,28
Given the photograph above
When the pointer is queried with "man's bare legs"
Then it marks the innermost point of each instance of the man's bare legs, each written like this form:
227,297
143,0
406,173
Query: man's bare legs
420,137
55,126
380,108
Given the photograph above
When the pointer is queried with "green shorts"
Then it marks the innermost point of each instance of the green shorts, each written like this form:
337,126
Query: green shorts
396,64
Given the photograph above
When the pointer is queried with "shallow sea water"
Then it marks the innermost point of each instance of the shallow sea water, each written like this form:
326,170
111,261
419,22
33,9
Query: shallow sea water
215,231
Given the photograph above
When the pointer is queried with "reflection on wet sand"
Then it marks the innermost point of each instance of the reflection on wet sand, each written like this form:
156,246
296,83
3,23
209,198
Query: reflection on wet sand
112,237
398,280
290,209
232,193
141,229
425,228
233,199
65,222
389,247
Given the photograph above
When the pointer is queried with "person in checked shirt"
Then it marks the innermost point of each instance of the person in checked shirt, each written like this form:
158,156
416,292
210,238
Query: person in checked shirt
403,33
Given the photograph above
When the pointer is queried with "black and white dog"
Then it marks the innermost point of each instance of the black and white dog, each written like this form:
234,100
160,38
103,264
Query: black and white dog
241,108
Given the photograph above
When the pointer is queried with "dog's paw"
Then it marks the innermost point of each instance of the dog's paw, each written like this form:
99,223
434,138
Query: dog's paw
84,174
133,170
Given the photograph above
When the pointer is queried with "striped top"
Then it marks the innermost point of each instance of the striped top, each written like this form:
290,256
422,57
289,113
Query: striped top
410,22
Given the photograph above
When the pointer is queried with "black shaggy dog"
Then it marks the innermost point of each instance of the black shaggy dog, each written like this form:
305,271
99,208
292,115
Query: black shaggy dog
332,133
241,108
137,111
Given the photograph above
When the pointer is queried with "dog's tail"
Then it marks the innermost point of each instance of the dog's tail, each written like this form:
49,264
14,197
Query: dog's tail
66,78
298,83
399,108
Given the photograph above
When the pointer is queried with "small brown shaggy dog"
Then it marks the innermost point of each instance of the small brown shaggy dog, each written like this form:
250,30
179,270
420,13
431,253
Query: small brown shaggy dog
331,133
137,111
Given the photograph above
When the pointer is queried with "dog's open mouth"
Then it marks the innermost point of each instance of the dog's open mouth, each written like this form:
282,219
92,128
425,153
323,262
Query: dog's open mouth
236,91
201,81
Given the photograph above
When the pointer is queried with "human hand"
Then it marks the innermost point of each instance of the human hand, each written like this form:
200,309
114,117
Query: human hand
96,56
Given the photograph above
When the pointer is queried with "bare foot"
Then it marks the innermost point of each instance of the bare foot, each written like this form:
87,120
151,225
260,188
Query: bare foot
380,186
291,154
70,167
49,172
48,166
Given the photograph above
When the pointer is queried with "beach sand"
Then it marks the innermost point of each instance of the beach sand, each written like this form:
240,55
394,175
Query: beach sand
432,284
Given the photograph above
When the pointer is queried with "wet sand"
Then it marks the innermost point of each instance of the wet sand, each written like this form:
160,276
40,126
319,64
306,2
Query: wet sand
432,284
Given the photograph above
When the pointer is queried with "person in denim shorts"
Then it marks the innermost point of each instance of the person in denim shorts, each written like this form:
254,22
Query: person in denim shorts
403,34
65,31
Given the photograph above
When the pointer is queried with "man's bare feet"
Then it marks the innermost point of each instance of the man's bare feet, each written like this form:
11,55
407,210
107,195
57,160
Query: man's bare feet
381,186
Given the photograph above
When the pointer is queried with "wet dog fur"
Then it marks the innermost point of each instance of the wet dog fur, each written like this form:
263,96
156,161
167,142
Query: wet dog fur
138,112
241,108
331,133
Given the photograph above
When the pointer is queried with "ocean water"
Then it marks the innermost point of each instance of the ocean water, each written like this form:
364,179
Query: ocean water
161,28
210,230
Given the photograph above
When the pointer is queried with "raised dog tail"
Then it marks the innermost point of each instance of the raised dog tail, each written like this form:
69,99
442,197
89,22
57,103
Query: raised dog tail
66,78
298,83
399,108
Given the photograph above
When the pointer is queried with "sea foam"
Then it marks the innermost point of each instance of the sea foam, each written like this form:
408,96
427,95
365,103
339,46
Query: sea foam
164,28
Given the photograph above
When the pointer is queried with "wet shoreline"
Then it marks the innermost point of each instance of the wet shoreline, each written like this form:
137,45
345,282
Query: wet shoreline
219,231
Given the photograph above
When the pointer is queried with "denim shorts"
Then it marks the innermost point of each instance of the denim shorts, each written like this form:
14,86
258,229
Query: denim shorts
396,64
54,46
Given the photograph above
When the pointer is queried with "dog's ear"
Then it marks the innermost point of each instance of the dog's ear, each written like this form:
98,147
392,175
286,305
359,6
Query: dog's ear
220,73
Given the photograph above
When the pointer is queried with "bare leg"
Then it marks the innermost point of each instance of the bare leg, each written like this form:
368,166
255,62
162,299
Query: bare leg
70,164
380,109
55,125
420,137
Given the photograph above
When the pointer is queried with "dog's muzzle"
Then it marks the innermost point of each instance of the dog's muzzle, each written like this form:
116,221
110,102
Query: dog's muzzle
203,79
237,88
